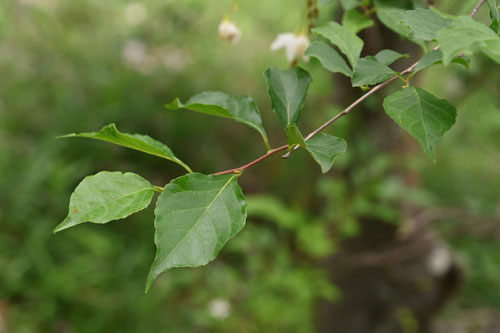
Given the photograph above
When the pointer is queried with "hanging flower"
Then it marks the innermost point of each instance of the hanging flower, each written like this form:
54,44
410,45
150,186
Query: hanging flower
295,45
229,31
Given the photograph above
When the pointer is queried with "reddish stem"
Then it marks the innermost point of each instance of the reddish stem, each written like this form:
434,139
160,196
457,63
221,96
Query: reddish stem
263,157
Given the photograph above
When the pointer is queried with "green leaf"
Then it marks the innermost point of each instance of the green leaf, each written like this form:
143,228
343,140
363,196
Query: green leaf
324,149
468,36
356,21
424,23
495,16
369,72
344,38
329,58
107,196
294,137
288,91
435,57
387,57
492,49
391,18
138,142
240,108
195,216
350,4
422,115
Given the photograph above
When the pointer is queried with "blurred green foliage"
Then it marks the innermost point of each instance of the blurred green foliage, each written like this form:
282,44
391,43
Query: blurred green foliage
70,66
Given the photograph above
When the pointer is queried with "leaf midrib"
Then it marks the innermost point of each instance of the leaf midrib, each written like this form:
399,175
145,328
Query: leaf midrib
199,217
115,200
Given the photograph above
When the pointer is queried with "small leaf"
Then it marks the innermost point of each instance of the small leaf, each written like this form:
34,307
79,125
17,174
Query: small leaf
435,57
344,38
387,57
422,115
324,149
429,59
329,58
424,23
288,91
369,72
240,108
195,216
294,137
107,196
138,142
469,36
356,21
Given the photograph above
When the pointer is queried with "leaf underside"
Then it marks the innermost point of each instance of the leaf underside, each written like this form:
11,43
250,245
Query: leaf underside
239,108
329,58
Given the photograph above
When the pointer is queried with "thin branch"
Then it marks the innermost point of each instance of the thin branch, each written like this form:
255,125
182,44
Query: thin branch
338,116
263,157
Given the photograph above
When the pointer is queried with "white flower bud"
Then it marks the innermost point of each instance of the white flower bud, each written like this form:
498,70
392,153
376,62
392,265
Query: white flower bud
295,45
229,31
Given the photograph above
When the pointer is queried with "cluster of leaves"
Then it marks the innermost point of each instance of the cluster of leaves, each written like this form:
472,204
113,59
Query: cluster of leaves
196,214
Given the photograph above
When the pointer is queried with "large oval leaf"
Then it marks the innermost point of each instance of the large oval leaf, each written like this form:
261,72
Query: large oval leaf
195,216
138,142
240,108
107,196
422,115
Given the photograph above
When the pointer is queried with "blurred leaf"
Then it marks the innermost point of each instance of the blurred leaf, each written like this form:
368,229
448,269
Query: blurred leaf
422,115
294,137
469,36
344,38
107,196
391,18
138,142
288,92
241,108
436,57
356,21
329,58
387,57
424,23
324,149
495,16
370,71
350,4
195,216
